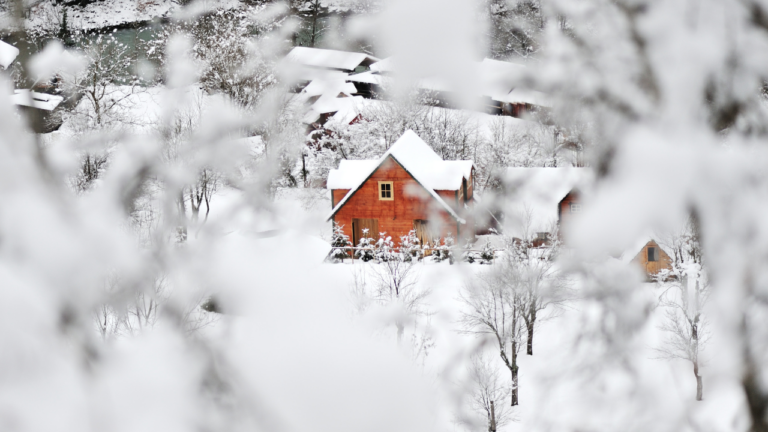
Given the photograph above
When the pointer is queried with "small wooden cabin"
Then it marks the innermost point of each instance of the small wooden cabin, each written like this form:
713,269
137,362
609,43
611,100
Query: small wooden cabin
652,258
409,188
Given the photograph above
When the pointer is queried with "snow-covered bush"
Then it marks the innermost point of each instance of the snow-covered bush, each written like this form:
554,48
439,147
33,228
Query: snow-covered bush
443,251
231,59
410,247
487,254
339,241
384,249
366,247
468,255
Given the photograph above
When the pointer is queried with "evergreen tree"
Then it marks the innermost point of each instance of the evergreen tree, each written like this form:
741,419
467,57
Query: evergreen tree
366,245
410,247
339,242
384,249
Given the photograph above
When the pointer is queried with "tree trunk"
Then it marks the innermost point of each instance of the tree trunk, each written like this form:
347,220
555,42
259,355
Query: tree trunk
757,401
529,349
699,384
515,370
492,425
530,325
314,23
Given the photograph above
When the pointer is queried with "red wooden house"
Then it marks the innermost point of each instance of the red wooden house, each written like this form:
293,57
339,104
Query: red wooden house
409,188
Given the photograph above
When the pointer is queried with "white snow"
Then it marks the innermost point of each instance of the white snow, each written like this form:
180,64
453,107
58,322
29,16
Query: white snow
385,65
426,166
496,79
333,86
522,95
8,54
350,173
37,100
330,103
345,109
537,192
329,59
416,157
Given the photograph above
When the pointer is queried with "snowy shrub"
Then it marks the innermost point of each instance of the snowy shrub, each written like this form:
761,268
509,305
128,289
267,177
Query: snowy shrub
410,247
366,247
469,255
339,241
384,249
487,253
443,251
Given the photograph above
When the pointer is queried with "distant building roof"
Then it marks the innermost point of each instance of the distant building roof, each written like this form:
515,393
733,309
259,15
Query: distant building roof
416,157
8,54
330,59
32,99
368,77
523,95
385,65
498,80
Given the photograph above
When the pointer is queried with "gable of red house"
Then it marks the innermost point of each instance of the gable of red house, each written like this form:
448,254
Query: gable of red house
409,188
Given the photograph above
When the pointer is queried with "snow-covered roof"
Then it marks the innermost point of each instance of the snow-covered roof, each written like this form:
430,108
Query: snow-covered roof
499,77
499,80
8,54
522,95
416,157
329,86
385,65
368,77
536,193
631,253
345,109
330,59
350,173
32,99
293,72
329,103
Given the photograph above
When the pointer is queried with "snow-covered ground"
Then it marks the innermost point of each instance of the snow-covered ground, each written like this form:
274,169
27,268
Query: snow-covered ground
551,381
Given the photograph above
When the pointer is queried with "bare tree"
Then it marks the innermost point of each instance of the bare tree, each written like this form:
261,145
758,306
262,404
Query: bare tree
105,85
489,390
495,308
202,192
396,284
535,274
685,290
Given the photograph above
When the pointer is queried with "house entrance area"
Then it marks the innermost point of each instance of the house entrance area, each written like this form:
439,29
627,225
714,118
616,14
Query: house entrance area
358,225
423,232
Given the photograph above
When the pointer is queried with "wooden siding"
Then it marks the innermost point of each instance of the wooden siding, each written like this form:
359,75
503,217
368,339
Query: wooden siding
564,208
652,268
396,218
337,195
